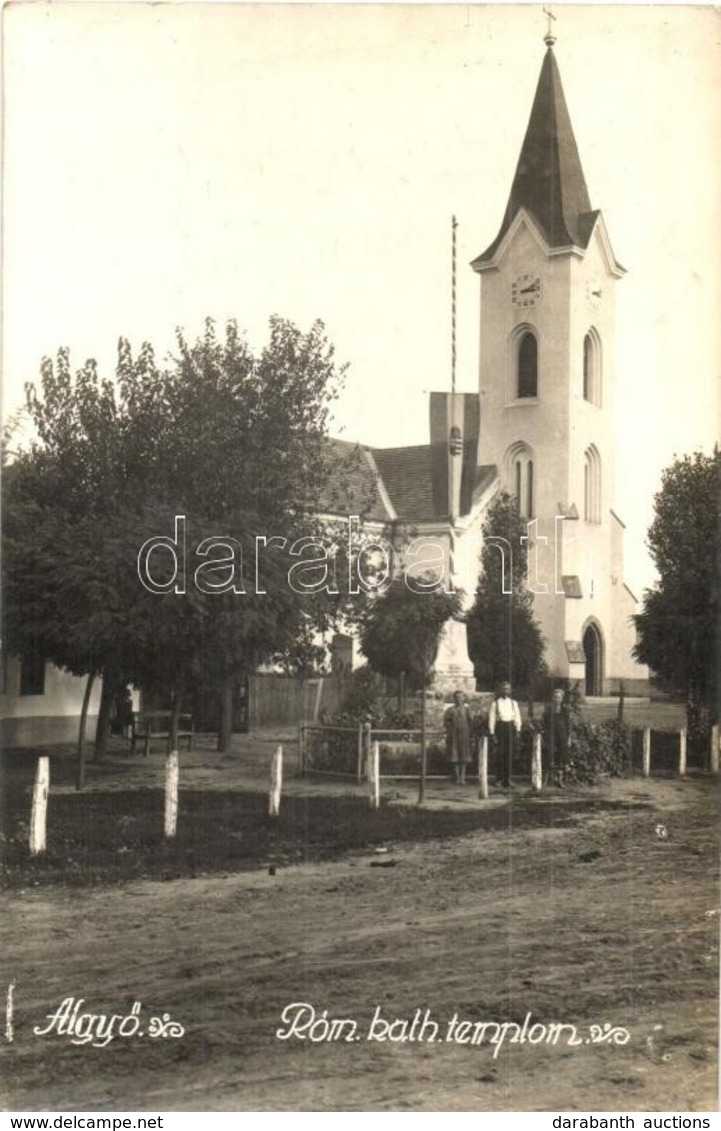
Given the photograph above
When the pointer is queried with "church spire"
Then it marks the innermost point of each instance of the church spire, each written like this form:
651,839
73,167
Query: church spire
549,181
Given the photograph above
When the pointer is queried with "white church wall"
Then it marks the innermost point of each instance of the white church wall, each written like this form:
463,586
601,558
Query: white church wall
592,423
563,429
541,422
621,663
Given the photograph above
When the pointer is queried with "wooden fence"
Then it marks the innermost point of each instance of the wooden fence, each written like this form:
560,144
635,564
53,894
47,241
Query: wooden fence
367,764
344,751
279,700
354,744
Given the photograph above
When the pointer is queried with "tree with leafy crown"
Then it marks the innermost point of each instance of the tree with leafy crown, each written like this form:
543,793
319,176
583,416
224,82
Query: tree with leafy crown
233,442
400,631
504,638
679,626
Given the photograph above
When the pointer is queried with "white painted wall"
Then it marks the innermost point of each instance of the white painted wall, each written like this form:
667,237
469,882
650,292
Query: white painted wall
63,696
558,426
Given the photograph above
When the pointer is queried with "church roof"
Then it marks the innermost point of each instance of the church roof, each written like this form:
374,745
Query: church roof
364,480
549,181
407,475
351,485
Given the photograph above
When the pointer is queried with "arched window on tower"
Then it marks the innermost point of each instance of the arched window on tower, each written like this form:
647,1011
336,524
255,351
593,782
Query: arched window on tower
592,367
527,366
592,484
519,467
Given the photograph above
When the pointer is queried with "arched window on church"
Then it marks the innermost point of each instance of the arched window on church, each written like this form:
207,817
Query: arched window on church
519,466
592,367
527,366
592,484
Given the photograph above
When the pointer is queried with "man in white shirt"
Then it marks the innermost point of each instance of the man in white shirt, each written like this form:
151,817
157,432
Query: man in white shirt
504,725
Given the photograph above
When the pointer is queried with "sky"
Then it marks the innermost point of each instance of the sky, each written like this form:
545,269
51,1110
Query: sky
164,162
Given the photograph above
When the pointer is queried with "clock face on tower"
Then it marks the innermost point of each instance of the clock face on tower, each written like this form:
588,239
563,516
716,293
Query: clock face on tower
526,290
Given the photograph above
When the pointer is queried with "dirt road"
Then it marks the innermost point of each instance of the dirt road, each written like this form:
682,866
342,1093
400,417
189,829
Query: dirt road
603,923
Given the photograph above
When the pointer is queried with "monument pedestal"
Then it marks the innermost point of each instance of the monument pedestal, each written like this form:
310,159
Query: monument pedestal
453,667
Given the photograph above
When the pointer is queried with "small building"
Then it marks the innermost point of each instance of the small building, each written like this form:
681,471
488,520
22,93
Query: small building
40,704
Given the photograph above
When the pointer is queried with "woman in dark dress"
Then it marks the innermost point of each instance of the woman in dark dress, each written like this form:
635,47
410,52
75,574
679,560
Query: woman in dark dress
457,721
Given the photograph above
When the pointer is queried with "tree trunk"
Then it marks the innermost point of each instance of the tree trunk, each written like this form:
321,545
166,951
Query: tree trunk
422,781
225,733
80,777
175,719
402,693
698,722
103,726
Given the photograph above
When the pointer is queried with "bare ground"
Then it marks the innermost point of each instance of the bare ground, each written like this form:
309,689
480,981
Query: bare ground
595,922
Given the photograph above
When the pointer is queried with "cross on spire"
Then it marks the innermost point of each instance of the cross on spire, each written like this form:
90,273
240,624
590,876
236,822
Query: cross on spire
549,38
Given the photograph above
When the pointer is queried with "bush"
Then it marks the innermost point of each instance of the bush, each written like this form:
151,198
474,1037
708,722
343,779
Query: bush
334,752
361,700
597,752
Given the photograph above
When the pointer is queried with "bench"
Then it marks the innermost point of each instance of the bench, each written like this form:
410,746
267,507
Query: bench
152,726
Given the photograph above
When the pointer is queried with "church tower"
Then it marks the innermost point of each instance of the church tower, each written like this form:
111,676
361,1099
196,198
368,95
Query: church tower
548,293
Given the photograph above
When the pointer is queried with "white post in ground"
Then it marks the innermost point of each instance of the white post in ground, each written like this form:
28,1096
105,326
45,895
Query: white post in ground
318,699
483,768
374,781
276,782
536,769
646,752
171,794
714,748
359,760
39,813
682,752
301,752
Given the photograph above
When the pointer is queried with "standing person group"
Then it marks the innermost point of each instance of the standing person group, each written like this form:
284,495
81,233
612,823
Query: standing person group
504,729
